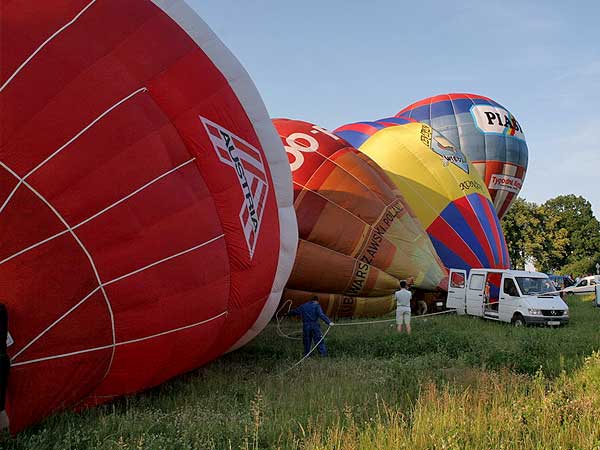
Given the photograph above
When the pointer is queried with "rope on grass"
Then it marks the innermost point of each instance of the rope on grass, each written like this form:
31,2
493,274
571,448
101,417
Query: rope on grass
393,320
297,363
308,354
280,332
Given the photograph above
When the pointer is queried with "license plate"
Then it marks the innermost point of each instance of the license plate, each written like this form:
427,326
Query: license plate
553,322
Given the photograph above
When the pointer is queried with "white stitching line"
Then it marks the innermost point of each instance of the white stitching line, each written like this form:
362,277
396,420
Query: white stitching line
35,339
160,261
56,33
10,195
77,240
114,280
137,191
66,144
132,341
83,130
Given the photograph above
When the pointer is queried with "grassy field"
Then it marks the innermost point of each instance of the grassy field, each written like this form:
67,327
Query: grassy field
455,383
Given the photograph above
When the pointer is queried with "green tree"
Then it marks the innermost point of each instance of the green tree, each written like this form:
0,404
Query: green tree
561,235
583,266
522,230
573,214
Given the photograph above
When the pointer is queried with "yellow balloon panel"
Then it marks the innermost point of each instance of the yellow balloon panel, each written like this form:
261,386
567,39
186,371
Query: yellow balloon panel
427,178
440,185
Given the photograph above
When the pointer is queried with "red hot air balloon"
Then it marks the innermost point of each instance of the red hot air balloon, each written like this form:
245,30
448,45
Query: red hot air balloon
145,200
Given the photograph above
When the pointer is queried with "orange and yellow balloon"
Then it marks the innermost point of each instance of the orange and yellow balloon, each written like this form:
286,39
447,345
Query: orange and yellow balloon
358,238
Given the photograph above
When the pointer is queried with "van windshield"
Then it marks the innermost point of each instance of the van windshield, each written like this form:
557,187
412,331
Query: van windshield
534,286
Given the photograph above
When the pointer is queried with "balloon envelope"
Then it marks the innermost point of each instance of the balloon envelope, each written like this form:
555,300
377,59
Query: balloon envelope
145,200
357,237
486,132
440,185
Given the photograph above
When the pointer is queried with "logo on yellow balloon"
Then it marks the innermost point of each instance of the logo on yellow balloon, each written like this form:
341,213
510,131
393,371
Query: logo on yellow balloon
449,152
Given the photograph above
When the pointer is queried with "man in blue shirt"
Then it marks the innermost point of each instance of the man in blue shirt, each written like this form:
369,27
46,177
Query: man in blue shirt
310,313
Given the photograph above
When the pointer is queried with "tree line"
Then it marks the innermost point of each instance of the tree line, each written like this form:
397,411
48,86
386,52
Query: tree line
559,236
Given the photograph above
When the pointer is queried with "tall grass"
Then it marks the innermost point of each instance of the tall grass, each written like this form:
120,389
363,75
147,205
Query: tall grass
498,411
456,382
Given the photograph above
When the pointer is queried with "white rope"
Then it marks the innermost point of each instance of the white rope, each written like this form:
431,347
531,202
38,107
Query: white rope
280,332
364,322
308,354
393,320
297,363
369,322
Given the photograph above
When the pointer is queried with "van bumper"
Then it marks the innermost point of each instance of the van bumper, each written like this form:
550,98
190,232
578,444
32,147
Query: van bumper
543,320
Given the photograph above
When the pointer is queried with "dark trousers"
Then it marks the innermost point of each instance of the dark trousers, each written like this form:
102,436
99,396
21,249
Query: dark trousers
311,334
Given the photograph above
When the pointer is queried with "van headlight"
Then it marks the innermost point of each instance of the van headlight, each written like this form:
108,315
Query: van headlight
535,312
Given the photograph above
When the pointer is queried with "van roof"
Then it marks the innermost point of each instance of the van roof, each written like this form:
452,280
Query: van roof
514,273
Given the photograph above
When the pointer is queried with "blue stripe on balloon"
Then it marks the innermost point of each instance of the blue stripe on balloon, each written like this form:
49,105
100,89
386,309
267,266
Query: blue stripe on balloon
420,114
354,138
372,124
448,257
447,107
502,241
476,200
460,224
442,109
397,120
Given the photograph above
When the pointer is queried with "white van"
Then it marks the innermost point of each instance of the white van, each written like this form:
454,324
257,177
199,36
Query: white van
586,285
513,296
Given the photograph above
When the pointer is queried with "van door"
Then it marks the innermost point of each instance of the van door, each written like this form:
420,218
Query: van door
456,290
510,301
475,294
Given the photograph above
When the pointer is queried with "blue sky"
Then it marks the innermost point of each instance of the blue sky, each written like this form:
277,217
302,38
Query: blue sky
334,62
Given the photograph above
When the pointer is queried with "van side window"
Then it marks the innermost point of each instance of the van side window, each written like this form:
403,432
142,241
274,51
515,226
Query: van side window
457,280
510,288
583,283
476,283
592,282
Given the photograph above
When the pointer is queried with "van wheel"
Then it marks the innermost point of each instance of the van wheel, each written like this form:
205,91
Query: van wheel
518,321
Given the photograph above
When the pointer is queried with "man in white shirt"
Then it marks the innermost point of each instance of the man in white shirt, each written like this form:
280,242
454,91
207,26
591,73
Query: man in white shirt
403,297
